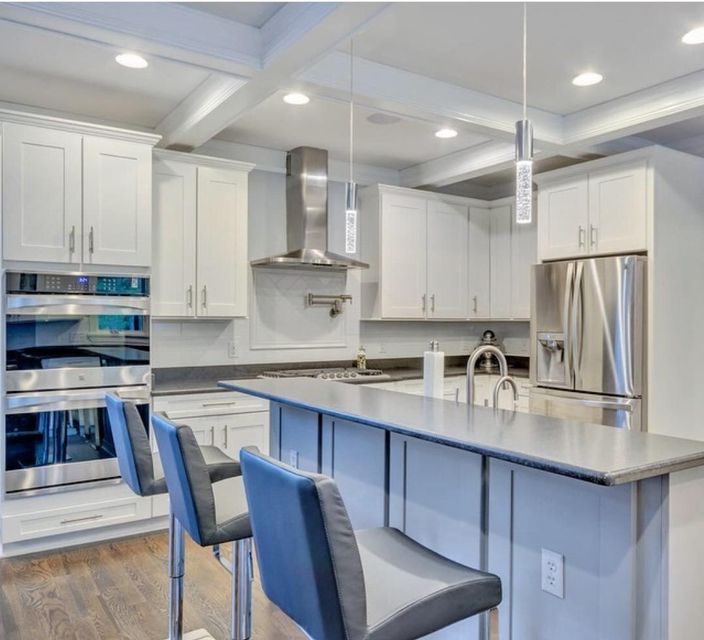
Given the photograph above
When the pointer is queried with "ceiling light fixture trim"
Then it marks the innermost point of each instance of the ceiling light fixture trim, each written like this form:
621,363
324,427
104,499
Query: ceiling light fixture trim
695,36
131,60
587,79
446,133
296,98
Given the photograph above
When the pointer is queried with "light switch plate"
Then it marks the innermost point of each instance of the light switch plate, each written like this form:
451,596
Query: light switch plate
552,573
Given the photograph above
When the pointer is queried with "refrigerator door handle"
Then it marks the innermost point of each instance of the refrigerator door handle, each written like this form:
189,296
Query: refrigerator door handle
569,291
576,320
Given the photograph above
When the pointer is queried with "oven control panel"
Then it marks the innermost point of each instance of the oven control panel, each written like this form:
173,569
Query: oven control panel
82,284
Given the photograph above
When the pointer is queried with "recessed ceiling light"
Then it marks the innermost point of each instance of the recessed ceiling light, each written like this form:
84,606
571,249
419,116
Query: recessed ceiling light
383,118
131,60
587,79
296,98
695,36
445,133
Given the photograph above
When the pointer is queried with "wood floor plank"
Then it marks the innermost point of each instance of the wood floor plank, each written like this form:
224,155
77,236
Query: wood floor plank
119,591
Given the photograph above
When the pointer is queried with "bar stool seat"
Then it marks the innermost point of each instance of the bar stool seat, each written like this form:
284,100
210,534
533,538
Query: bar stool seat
412,591
338,584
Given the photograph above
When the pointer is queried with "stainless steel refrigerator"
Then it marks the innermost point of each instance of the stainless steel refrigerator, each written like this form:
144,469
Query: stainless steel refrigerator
588,340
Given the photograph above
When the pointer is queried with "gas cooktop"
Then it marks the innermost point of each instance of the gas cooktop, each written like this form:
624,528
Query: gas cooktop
341,374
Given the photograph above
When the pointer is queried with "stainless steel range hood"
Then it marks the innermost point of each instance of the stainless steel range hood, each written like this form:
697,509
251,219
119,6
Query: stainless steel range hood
307,215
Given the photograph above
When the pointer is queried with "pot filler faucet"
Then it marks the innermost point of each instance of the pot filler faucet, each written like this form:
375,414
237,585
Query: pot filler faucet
503,380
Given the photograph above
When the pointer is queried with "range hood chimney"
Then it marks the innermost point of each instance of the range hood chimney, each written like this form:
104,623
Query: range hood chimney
307,215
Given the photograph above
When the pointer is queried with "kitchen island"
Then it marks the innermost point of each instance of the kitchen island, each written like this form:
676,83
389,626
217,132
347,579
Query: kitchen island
495,489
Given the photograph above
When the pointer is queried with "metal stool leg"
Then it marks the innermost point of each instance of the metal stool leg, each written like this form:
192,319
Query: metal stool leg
493,617
176,570
242,589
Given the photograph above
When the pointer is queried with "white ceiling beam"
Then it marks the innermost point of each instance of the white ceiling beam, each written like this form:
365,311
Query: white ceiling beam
295,41
165,29
657,106
461,165
390,89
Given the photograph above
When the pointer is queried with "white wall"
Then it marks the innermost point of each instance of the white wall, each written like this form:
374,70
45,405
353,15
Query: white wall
278,318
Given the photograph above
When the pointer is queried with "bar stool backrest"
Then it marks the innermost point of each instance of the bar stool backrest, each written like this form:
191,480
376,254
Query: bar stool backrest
306,548
134,455
188,479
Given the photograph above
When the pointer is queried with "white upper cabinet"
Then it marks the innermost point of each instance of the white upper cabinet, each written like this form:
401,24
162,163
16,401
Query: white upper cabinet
41,194
618,209
116,202
479,262
174,245
201,266
438,257
222,264
76,199
602,211
403,256
447,260
501,271
563,213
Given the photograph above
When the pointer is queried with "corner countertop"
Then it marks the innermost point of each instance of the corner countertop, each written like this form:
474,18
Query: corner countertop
589,452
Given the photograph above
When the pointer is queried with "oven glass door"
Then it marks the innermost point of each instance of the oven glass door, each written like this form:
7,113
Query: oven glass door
60,438
73,345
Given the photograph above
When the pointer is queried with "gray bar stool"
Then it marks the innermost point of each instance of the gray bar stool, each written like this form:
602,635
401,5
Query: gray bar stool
340,584
211,513
142,472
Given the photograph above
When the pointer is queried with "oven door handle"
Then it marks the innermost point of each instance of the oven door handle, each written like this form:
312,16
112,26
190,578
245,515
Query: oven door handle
18,304
68,400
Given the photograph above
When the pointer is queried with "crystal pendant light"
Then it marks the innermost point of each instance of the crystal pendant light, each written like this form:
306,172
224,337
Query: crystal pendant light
351,186
524,146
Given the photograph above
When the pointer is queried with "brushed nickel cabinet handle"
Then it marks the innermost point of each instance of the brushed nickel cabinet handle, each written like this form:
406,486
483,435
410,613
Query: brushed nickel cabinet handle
91,244
425,297
581,236
86,519
189,297
204,297
72,240
432,303
226,430
593,235
474,306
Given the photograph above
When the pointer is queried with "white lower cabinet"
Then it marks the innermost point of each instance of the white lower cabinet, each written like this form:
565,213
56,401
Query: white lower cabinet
41,516
227,419
455,388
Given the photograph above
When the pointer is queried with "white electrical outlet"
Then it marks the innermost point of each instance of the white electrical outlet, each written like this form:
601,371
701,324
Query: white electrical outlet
231,350
293,458
552,573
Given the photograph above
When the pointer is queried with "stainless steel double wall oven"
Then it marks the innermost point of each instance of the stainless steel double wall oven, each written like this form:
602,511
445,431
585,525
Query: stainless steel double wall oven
69,340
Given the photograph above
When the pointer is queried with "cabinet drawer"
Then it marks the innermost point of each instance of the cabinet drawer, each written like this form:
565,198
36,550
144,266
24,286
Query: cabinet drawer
194,405
78,518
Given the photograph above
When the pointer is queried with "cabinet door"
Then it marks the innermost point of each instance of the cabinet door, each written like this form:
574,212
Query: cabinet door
117,202
222,263
447,260
41,194
524,254
618,209
206,430
174,239
501,272
563,218
479,263
245,430
403,256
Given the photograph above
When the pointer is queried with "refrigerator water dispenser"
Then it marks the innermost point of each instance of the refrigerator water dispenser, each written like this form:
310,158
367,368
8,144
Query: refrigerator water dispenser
550,356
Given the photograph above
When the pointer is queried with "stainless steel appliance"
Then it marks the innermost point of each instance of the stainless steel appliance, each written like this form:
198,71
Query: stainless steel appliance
341,374
587,340
70,339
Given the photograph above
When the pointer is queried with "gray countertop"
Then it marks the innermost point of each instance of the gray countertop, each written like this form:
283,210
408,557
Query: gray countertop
593,453
180,380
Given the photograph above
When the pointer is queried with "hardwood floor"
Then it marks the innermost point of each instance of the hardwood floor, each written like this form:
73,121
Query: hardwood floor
118,591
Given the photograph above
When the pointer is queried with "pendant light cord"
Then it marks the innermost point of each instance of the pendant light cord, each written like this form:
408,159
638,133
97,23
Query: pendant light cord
525,60
351,110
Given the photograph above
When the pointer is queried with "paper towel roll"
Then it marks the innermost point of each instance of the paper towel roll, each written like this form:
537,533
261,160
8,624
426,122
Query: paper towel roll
433,373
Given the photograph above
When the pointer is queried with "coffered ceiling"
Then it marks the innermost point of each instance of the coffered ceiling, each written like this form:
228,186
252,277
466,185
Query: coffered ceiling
219,71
